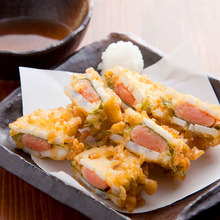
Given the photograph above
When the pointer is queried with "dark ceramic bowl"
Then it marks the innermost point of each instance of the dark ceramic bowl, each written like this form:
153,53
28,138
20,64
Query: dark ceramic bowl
73,14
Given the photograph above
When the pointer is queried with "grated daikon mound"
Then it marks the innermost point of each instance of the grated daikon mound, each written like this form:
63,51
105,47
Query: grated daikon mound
124,54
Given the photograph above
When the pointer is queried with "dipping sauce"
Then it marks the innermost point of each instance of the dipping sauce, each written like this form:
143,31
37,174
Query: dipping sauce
24,34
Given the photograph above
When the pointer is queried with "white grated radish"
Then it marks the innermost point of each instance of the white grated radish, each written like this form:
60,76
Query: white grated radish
124,54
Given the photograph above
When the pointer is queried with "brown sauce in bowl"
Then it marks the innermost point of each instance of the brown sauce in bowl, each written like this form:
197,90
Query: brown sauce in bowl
25,34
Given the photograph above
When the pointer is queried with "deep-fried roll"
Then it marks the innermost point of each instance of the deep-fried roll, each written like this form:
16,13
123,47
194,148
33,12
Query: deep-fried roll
49,133
157,144
197,120
114,173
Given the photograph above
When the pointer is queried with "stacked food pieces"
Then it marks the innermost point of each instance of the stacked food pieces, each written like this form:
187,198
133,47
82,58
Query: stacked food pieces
116,124
103,110
197,121
114,173
116,128
157,144
49,133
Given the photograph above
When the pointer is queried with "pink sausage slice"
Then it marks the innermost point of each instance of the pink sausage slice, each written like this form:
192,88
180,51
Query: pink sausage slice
194,115
93,178
124,94
35,143
147,138
85,88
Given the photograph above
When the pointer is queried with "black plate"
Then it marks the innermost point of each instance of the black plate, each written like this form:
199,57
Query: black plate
21,164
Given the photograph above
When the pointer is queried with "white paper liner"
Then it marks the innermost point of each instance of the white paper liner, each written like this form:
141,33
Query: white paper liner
43,89
180,70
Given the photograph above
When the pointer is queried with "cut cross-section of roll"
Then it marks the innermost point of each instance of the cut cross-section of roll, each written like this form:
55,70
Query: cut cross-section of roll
157,144
168,106
113,173
89,92
49,133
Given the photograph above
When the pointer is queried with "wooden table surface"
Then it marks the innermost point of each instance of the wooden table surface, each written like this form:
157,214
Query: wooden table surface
165,25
